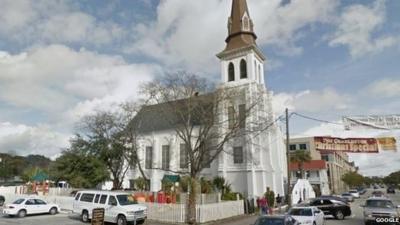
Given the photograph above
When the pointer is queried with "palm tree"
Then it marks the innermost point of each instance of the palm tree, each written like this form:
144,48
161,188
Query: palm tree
300,157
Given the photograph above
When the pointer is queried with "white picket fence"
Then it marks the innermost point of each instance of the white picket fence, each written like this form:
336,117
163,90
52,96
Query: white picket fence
217,211
173,213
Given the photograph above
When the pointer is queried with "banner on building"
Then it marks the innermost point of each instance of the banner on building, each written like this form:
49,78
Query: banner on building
387,143
385,122
352,145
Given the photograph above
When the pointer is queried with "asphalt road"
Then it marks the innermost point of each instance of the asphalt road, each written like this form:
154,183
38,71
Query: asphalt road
69,219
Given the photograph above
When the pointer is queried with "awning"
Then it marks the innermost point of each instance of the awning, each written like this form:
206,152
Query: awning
40,176
171,178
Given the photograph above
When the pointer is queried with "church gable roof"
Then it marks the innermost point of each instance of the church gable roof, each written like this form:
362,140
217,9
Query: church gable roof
169,115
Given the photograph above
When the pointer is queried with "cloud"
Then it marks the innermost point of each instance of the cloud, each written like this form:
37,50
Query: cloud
385,88
313,101
54,78
358,28
61,85
22,140
53,22
190,33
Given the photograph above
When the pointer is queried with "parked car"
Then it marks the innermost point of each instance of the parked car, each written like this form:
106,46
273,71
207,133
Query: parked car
349,197
377,194
355,193
307,215
390,190
338,209
28,206
119,207
379,208
361,190
276,220
376,187
2,200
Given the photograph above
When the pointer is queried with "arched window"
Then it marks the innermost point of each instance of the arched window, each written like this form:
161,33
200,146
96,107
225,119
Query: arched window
243,69
231,72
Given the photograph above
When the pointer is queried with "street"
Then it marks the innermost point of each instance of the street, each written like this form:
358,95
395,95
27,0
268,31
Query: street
69,219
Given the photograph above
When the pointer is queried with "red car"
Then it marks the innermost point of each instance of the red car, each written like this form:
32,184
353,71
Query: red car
378,194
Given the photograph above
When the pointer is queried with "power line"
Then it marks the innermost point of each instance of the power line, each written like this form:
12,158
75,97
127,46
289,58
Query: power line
316,119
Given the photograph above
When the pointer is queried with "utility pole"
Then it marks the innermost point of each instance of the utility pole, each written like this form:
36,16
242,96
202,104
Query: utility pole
289,194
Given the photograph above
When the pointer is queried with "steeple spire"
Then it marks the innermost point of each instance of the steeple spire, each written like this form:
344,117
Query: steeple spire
240,27
240,31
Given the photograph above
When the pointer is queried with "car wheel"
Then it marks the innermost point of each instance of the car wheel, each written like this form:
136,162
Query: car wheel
53,211
85,216
339,215
21,213
121,220
1,202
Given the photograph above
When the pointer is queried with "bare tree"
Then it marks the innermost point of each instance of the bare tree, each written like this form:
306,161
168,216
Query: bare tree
204,117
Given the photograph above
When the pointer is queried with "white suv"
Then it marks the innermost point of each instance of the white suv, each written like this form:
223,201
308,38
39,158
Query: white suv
119,207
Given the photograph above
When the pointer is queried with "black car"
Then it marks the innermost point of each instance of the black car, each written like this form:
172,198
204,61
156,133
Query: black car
338,209
276,220
2,200
337,198
390,190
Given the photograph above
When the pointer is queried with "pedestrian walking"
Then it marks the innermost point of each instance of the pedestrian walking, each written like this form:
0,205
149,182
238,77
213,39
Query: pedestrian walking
279,202
263,206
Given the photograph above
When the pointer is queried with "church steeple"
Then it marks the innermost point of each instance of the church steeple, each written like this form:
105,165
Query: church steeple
242,61
240,27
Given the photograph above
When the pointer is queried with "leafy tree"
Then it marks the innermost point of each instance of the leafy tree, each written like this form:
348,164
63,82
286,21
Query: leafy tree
110,137
392,179
270,196
300,157
353,179
79,168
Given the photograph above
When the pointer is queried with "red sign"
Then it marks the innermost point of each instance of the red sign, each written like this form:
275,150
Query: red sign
352,145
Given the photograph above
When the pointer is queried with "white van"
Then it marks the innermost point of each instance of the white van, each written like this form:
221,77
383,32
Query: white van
119,207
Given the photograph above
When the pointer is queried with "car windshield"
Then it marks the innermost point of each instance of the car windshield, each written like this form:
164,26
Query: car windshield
346,194
18,201
380,203
126,200
354,191
300,212
269,221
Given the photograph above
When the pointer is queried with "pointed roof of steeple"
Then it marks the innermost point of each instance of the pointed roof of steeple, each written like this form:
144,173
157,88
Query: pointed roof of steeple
240,28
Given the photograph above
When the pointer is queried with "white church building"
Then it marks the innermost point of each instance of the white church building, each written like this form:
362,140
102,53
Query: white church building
242,68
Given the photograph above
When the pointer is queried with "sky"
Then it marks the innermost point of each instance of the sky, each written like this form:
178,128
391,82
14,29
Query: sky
63,59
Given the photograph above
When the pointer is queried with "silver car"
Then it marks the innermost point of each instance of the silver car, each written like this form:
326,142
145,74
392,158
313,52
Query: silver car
349,197
378,210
